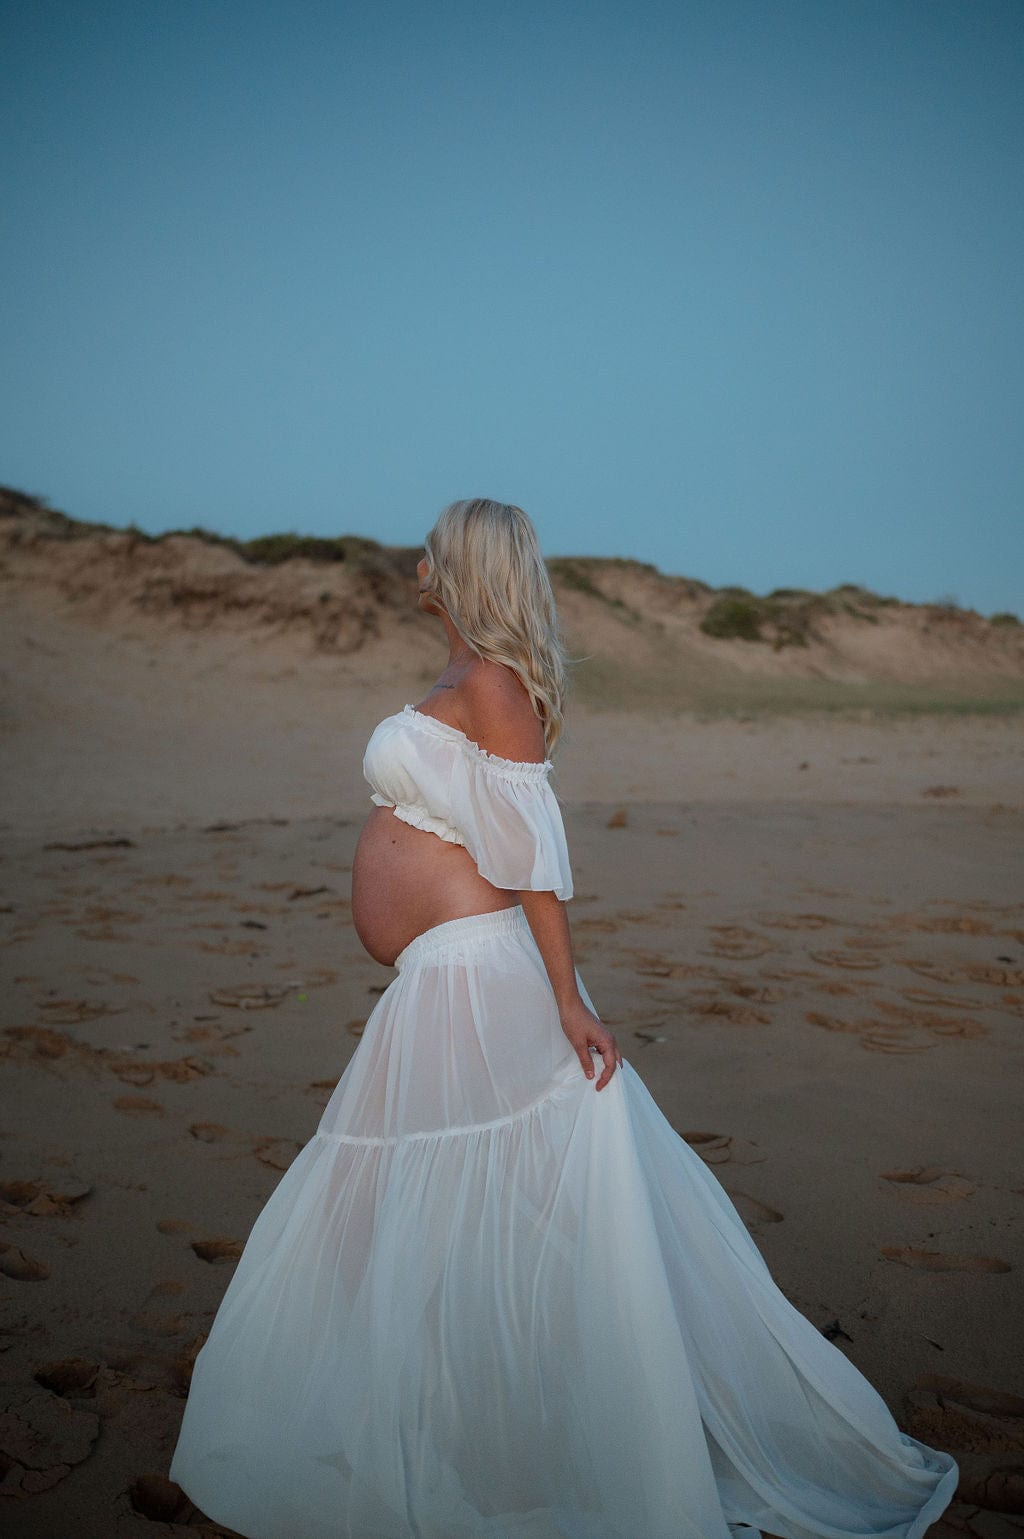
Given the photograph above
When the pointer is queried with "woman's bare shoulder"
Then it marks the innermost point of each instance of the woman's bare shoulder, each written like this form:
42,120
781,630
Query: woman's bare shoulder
497,713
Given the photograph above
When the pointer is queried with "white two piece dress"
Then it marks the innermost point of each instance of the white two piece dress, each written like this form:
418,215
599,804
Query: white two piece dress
487,1301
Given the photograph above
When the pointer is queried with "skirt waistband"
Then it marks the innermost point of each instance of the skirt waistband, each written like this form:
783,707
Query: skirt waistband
473,929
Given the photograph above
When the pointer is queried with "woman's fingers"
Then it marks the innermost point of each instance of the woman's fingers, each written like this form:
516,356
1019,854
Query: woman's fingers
595,1038
608,1054
612,1058
583,1054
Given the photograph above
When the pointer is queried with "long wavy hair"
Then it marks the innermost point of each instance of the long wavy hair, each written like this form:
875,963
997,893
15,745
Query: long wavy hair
485,568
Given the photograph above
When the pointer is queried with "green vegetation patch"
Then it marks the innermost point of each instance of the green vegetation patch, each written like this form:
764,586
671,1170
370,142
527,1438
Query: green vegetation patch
786,617
734,618
273,549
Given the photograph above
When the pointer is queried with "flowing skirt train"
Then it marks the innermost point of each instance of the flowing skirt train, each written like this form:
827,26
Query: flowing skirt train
489,1302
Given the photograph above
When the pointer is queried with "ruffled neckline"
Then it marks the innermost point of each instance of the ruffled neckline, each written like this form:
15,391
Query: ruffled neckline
528,769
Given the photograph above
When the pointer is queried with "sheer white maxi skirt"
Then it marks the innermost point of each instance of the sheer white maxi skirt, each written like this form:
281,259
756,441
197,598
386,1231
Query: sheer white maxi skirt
487,1301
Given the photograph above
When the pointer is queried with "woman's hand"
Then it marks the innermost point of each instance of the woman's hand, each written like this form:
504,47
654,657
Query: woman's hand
584,1030
546,916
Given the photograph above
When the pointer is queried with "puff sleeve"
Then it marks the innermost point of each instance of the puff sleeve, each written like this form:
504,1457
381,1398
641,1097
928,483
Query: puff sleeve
511,823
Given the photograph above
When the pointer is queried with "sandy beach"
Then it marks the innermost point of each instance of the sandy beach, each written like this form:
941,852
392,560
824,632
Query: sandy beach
806,929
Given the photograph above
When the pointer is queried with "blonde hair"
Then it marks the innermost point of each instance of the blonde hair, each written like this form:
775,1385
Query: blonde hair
485,568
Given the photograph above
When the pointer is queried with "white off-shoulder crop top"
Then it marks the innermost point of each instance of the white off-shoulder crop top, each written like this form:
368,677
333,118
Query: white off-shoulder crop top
503,811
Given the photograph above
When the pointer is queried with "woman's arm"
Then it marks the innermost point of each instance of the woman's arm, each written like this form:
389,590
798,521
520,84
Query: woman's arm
498,712
549,923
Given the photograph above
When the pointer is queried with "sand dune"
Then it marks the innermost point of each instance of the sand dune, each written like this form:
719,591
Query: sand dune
642,638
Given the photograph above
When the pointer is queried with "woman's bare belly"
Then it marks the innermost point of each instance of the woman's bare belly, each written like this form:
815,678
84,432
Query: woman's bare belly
404,880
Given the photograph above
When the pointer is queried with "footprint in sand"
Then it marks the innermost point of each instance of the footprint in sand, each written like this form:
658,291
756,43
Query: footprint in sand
928,1185
870,939
41,1041
848,959
250,996
209,1132
722,1148
785,921
938,1261
645,964
278,1153
98,976
152,1323
41,1199
995,976
143,1072
136,1105
944,924
106,932
831,1022
736,942
161,1500
164,879
152,1319
174,1225
729,1010
20,1266
101,913
751,1210
910,1031
156,1497
218,1248
68,1376
933,997
594,926
928,1020
168,1287
688,970
760,993
70,1012
789,974
196,1034
893,1040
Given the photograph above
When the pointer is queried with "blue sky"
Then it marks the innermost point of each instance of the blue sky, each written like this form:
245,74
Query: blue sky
734,287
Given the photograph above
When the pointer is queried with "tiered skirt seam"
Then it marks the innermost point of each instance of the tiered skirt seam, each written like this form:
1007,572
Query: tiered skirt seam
462,1131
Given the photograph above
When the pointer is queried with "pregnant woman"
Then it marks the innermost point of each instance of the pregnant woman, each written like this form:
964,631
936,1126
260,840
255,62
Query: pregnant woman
496,1296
